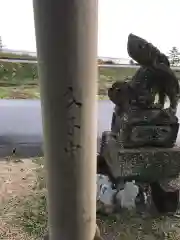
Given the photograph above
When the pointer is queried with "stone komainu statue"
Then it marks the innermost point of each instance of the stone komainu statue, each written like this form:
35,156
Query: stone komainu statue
155,74
140,120
141,143
154,77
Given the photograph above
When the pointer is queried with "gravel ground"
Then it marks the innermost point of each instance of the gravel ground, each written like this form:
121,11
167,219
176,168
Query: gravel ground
17,181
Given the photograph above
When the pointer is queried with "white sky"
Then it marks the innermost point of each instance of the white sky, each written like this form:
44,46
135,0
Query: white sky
157,21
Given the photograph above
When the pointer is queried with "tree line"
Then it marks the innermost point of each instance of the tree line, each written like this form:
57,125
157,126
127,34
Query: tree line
173,56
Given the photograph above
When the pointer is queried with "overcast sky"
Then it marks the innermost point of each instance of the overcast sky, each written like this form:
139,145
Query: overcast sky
157,21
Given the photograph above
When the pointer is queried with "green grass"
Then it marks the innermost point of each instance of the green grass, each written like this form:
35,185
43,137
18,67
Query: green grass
113,74
20,92
27,92
20,80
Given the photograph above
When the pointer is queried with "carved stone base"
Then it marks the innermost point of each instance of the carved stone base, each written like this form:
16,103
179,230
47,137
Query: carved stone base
142,164
150,127
156,136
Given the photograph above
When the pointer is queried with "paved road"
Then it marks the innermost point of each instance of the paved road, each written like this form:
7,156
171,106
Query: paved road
21,126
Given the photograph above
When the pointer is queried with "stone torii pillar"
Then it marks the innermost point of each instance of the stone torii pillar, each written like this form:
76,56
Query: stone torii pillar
66,37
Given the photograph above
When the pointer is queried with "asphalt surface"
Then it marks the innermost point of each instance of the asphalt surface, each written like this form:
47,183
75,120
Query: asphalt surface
21,126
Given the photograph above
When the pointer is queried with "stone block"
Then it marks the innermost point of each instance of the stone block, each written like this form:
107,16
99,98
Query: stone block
142,164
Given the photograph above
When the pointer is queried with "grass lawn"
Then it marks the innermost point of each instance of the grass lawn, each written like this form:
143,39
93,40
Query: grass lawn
24,86
21,87
20,92
27,92
24,215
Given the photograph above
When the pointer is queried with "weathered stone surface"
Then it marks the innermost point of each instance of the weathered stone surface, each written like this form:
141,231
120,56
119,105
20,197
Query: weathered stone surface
155,74
137,119
150,135
149,127
164,201
139,49
143,133
144,164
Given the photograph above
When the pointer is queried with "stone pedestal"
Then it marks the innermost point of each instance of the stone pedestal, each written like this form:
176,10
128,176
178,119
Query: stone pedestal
145,128
141,144
142,164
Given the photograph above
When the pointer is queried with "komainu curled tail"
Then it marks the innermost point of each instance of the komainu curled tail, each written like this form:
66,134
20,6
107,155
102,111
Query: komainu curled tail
156,74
